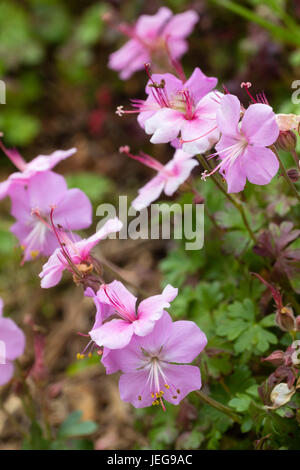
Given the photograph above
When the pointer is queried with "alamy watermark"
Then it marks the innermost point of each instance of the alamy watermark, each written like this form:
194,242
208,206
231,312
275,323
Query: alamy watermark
2,92
159,221
2,352
296,94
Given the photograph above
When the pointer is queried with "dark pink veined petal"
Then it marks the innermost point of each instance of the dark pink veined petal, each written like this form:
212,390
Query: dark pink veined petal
260,164
115,334
118,297
228,115
259,125
185,342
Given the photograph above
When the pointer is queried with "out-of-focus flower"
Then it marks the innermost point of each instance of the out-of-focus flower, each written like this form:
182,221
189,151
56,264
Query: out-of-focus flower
32,205
26,170
243,145
12,344
154,366
117,333
152,34
288,122
168,179
74,253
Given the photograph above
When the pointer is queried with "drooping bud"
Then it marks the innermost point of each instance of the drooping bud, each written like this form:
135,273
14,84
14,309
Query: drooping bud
287,140
285,319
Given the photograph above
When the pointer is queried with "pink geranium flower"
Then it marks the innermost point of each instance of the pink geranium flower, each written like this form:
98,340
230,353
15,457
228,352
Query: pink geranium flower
12,344
74,253
151,34
117,333
243,145
32,205
27,170
153,367
180,109
168,179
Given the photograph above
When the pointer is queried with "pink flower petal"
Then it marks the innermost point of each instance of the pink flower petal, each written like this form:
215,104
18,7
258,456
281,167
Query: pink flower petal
148,193
165,125
259,125
185,342
182,380
260,164
115,334
228,115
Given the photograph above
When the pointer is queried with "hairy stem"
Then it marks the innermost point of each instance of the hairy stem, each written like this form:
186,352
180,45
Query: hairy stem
233,201
285,175
218,406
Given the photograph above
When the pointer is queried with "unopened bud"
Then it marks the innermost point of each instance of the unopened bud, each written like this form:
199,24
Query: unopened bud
287,140
276,358
293,175
285,319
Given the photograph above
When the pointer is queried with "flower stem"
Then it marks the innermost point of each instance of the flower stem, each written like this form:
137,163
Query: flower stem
233,201
218,406
285,175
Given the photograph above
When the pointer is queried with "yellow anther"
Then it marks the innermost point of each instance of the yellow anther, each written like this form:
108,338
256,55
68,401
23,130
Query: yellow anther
89,354
167,386
139,397
34,253
178,391
22,247
152,395
82,356
78,355
175,396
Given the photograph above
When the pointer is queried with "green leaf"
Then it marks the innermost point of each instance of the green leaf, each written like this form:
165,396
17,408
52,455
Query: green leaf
93,185
72,426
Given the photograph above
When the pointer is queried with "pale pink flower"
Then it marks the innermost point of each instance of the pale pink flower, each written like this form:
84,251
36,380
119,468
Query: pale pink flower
32,206
74,253
243,145
117,333
154,367
12,345
180,109
151,34
168,179
26,170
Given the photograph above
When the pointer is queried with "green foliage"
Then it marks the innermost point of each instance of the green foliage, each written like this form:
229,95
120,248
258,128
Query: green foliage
94,186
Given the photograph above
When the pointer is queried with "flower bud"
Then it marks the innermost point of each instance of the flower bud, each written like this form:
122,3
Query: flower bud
285,319
293,175
287,140
298,323
276,358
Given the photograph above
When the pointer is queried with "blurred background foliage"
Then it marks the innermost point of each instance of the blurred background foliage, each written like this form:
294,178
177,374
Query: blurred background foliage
60,93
